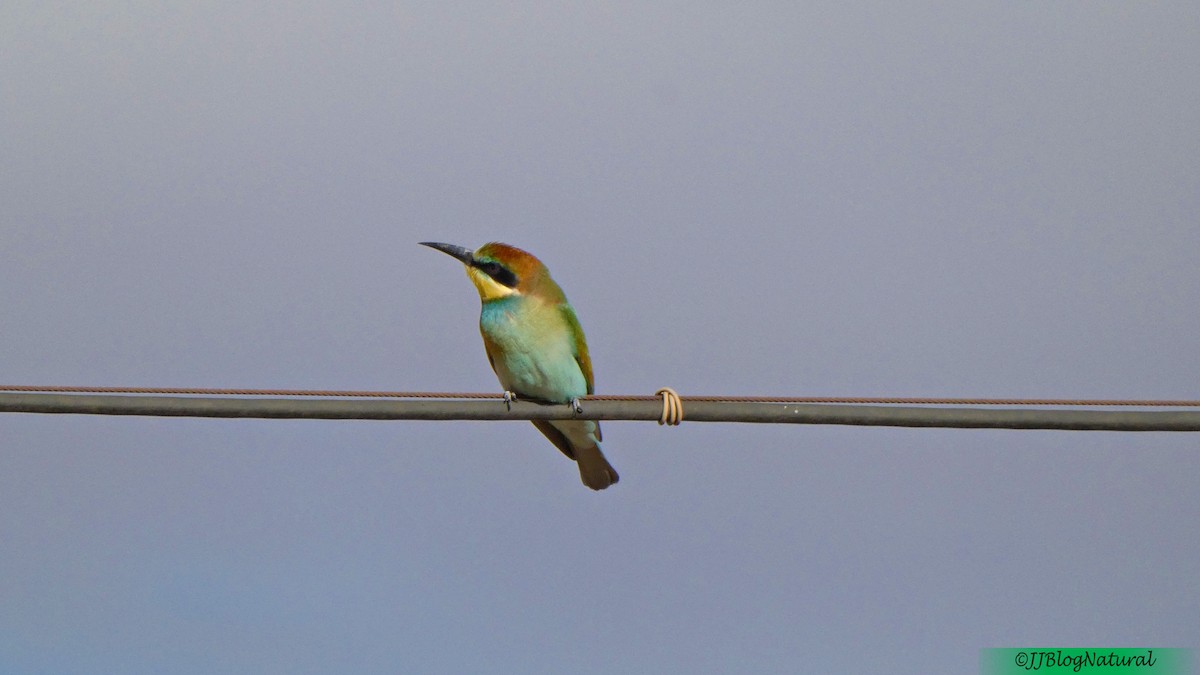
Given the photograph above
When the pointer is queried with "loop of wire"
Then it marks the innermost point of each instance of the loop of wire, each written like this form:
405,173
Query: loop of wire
672,410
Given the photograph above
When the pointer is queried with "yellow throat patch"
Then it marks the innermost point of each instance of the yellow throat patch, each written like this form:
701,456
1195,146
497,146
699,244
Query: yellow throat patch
489,288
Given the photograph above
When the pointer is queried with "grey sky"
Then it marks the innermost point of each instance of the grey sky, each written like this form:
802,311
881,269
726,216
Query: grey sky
784,198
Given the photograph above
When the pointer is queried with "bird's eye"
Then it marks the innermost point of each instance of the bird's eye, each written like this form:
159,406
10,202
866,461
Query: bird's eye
499,272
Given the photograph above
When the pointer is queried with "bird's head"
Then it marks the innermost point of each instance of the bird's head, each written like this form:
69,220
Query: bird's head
499,270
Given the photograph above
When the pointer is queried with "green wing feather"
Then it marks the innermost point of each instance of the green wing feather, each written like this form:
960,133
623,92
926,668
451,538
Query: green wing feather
581,350
581,355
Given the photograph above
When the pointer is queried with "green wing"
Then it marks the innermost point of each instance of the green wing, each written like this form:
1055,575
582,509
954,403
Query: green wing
581,357
581,350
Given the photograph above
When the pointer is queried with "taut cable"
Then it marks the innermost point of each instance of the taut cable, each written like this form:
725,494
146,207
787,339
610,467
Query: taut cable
849,400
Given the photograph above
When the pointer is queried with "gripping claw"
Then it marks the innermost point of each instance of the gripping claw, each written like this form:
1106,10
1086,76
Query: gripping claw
575,405
509,397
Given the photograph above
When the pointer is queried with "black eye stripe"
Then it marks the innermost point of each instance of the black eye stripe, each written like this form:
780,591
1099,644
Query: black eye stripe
499,272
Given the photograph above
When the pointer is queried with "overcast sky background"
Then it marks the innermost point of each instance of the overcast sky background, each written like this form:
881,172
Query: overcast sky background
921,199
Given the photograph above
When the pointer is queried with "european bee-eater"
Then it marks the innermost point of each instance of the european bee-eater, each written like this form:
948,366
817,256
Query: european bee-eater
535,345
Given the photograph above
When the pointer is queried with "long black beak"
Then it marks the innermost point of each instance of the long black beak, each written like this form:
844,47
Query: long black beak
463,254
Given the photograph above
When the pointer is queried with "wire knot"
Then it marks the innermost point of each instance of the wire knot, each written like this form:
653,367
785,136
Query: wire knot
672,411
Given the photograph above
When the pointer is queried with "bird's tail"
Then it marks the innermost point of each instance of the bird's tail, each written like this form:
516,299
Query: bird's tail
594,469
580,440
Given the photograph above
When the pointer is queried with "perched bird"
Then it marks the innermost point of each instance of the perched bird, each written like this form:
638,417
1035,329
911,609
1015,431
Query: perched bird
535,345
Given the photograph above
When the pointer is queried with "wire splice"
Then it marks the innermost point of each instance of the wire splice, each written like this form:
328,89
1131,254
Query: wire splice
672,410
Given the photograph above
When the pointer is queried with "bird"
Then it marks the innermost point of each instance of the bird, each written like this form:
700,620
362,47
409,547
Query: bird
536,346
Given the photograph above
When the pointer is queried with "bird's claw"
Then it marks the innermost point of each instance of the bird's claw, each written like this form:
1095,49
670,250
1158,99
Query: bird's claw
575,406
509,397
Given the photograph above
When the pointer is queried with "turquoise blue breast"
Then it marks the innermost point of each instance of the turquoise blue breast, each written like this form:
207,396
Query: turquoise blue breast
533,351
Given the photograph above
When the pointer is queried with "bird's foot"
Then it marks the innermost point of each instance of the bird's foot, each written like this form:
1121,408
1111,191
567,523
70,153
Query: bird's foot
509,397
575,405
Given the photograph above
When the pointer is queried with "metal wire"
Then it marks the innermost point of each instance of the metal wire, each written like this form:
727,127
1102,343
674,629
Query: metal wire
863,400
629,408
